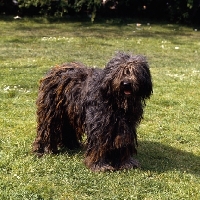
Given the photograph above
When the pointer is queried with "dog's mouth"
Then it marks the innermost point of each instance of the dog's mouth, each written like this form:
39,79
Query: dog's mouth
127,92
127,88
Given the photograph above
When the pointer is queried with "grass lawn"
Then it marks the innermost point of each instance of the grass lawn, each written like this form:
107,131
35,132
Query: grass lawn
169,135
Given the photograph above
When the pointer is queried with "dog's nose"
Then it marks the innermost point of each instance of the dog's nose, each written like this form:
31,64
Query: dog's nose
126,84
127,87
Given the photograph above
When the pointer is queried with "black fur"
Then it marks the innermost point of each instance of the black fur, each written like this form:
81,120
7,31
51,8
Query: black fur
105,104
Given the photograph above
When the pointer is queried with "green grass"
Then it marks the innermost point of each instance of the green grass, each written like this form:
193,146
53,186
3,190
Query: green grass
169,135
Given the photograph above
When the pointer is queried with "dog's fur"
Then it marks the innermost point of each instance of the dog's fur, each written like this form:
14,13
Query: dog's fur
105,104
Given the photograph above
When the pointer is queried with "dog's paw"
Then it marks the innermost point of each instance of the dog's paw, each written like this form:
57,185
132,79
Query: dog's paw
101,167
130,163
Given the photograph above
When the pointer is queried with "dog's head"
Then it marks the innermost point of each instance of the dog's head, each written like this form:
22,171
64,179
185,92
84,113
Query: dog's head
128,76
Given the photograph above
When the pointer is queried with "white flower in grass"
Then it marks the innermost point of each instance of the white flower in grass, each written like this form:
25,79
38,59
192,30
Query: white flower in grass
44,38
6,88
196,71
179,76
15,175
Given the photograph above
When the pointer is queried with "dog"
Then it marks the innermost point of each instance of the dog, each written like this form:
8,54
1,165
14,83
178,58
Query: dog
105,105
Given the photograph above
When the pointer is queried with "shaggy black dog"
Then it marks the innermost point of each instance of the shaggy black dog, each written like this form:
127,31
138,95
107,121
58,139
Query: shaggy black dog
105,104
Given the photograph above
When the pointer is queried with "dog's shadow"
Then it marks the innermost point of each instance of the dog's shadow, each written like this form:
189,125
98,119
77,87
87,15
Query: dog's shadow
157,157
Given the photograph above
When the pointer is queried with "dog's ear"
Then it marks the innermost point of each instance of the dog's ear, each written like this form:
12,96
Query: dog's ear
146,82
105,89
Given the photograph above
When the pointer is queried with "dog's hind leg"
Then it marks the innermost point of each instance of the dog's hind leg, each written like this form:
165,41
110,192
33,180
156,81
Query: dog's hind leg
47,136
54,134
